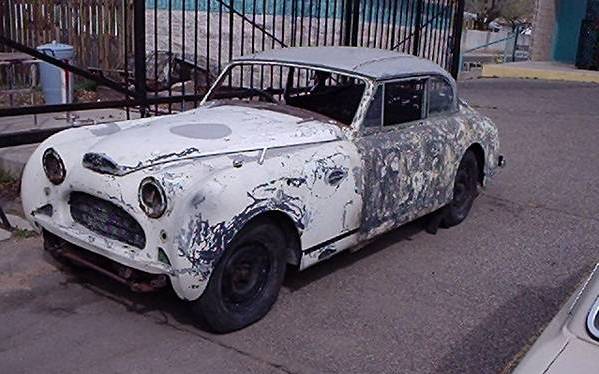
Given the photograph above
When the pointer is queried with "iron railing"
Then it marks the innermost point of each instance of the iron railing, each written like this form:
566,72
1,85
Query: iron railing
179,46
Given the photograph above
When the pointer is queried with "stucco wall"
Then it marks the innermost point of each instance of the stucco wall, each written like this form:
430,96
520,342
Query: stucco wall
567,29
556,29
544,25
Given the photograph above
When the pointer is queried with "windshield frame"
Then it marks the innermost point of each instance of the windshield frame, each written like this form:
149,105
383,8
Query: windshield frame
360,110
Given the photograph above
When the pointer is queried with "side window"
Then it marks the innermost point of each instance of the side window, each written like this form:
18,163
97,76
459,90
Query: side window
375,110
404,101
440,96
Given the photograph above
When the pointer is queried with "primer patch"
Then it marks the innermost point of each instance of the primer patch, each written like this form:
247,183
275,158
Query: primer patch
202,130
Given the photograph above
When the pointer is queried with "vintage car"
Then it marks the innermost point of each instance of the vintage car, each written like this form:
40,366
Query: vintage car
570,343
293,155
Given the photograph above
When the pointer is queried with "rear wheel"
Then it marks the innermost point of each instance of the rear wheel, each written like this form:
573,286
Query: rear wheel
246,281
465,190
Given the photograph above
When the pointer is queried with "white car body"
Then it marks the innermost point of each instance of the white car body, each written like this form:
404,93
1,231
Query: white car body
221,165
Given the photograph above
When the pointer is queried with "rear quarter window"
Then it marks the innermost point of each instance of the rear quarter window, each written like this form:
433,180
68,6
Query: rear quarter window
441,97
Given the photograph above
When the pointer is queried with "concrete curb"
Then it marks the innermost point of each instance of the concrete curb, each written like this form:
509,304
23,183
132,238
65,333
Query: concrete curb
540,70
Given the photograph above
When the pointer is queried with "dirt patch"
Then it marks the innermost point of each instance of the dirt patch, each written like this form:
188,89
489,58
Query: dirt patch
10,193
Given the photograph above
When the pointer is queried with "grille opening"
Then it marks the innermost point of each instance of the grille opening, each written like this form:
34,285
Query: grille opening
106,219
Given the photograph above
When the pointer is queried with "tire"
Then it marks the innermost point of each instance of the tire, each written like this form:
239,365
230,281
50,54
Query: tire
465,190
247,279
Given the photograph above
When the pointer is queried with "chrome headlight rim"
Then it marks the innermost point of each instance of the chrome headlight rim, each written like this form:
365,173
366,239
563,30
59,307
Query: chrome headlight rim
145,193
591,317
58,176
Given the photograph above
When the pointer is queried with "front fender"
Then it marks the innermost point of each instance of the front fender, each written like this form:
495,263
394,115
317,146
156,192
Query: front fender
217,206
219,203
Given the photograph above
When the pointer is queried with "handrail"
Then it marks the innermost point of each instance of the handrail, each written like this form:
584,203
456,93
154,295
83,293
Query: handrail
513,35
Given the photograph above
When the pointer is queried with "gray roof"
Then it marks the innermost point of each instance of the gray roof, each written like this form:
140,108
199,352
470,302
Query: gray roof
369,62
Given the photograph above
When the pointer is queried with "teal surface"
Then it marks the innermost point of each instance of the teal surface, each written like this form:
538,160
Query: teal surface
569,14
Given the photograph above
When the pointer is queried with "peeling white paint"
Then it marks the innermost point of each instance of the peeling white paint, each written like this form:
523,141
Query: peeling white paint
222,164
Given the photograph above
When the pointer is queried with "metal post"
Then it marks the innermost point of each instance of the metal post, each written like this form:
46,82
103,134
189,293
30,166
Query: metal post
457,39
4,22
347,18
517,32
139,31
418,27
351,22
355,22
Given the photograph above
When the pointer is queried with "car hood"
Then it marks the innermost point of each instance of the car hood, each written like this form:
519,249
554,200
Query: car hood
206,131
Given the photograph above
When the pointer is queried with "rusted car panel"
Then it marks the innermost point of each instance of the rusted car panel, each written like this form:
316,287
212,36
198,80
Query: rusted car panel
227,162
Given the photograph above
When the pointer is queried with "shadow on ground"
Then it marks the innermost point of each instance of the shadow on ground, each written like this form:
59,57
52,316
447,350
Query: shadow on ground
167,305
492,345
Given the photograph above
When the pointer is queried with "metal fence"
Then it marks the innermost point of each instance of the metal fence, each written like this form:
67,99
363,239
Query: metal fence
169,51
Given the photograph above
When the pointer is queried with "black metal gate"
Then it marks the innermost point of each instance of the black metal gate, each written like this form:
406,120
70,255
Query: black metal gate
179,46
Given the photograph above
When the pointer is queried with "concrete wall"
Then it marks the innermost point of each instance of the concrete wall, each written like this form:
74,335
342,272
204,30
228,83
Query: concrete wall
567,29
475,38
557,29
544,25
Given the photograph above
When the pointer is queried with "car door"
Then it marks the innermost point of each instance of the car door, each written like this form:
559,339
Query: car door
402,153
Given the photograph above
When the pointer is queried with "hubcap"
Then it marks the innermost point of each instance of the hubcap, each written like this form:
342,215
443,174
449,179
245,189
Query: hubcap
245,275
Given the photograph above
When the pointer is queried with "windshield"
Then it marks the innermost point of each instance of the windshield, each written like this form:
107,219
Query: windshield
333,95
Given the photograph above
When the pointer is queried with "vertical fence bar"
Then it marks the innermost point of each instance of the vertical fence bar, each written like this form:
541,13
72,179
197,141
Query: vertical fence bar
446,24
125,35
393,23
417,29
457,38
347,19
3,21
310,22
355,20
170,52
208,17
334,22
231,32
155,80
139,31
195,54
183,54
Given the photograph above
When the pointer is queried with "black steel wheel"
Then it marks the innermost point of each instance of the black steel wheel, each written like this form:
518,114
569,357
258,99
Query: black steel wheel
247,279
465,190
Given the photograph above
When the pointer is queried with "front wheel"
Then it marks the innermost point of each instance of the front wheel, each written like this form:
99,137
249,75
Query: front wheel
465,190
246,281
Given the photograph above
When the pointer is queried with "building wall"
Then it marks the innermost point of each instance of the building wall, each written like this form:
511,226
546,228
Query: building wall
544,26
557,29
567,29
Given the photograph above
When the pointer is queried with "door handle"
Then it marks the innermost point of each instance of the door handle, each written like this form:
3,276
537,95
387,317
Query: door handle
336,176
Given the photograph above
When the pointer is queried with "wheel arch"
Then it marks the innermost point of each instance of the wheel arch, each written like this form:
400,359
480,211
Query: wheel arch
479,152
287,226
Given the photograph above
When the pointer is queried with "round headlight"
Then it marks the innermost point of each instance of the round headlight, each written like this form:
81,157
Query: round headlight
53,166
152,198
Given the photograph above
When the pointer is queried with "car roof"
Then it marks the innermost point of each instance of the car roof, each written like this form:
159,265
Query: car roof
372,63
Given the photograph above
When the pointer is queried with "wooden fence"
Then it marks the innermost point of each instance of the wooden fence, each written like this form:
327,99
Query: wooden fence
99,30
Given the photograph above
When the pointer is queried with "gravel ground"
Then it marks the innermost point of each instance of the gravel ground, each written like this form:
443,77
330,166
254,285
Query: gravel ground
466,300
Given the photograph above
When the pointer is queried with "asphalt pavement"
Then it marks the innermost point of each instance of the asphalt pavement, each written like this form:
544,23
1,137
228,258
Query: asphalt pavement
467,300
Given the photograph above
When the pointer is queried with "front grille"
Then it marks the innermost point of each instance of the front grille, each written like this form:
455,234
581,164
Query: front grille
106,219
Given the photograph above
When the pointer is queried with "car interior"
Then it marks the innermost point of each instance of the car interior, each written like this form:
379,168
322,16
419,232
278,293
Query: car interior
333,95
